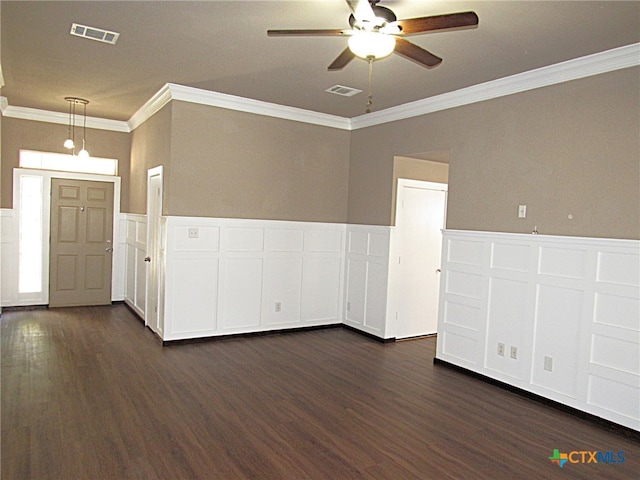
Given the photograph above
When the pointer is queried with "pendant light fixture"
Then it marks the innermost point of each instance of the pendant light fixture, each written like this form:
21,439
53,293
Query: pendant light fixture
83,153
70,141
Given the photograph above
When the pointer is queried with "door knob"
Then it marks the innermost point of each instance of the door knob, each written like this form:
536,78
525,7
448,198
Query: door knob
108,249
147,259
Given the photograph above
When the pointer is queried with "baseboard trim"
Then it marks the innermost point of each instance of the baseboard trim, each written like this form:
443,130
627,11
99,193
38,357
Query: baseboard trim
602,422
231,336
367,334
133,310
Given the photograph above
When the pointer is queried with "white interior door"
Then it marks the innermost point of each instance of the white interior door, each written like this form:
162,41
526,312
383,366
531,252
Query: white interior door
420,218
153,258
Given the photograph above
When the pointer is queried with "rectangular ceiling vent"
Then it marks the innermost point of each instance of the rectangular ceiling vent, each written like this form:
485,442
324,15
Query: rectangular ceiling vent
344,91
94,33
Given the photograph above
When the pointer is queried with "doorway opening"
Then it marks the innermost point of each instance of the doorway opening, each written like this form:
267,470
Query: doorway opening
418,216
32,210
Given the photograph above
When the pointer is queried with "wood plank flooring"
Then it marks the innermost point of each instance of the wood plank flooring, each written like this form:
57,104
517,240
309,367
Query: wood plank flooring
89,393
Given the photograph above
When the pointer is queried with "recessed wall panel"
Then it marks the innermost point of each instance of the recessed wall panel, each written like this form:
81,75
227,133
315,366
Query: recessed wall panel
460,347
321,288
513,257
378,245
283,240
238,239
356,290
617,311
614,396
557,336
562,262
461,315
616,353
463,283
207,239
507,321
282,286
620,268
376,304
358,242
465,252
242,293
194,294
328,241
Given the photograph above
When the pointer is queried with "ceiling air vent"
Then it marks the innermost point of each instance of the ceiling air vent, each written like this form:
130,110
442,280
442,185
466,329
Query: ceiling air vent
344,91
94,33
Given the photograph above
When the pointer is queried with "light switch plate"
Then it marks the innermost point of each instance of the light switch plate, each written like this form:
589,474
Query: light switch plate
522,211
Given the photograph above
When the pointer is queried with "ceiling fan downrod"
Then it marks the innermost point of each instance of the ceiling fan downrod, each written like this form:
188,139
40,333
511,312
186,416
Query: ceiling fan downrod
370,94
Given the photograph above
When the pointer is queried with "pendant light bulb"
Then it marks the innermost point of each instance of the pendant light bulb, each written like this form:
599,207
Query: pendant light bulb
68,143
83,153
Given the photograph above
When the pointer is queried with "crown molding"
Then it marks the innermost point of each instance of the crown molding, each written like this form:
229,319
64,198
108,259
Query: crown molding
171,91
153,105
37,115
603,62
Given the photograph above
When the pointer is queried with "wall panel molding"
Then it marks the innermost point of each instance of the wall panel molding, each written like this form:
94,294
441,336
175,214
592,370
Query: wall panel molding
556,316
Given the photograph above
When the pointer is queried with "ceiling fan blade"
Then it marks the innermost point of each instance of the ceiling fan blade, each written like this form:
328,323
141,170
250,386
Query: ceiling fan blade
413,52
313,33
362,10
343,59
438,22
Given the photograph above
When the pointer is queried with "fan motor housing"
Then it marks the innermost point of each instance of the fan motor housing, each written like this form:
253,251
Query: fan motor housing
380,12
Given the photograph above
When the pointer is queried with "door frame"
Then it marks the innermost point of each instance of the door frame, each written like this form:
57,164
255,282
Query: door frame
155,254
392,294
42,298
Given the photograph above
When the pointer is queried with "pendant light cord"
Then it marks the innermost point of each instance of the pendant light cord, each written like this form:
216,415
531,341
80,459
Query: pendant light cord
73,152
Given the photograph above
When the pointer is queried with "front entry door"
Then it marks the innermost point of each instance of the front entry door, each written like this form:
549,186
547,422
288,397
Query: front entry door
81,243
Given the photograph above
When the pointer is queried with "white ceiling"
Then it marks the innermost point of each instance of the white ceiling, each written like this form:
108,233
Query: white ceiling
222,46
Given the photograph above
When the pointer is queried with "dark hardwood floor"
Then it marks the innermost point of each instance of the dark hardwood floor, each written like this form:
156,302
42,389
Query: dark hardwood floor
89,393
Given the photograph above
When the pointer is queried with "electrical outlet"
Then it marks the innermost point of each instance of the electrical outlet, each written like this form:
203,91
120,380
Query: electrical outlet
514,352
278,306
548,364
193,233
501,349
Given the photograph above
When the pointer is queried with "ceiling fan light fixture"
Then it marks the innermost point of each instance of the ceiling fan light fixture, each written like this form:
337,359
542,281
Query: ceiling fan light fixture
374,45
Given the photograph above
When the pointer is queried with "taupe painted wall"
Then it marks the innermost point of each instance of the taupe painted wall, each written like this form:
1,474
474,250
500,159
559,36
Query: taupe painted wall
150,147
571,148
48,137
416,169
233,164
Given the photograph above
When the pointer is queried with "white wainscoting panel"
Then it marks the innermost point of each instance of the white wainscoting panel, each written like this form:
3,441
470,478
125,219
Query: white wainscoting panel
570,307
135,269
367,273
8,257
229,276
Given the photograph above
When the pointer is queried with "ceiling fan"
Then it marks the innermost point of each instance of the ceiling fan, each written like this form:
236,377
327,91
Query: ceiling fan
376,32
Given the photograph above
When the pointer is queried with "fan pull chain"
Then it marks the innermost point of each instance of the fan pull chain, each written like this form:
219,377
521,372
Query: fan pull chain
370,96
